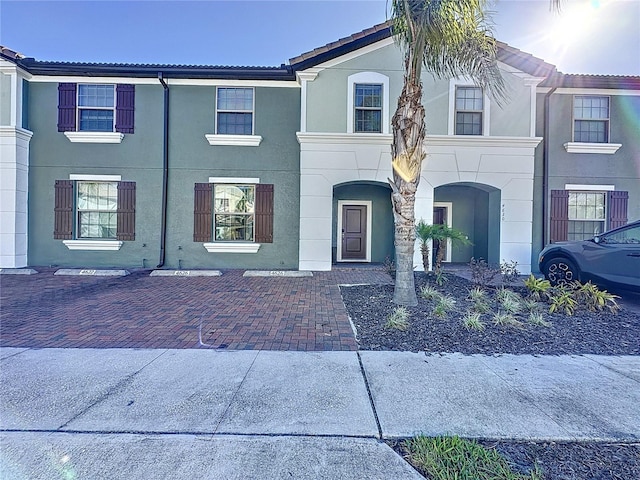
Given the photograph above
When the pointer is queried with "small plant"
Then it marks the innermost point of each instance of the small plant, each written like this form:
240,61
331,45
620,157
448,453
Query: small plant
398,320
446,458
440,278
481,273
538,288
505,319
509,271
536,318
530,305
595,299
472,321
562,300
444,305
478,295
509,301
429,293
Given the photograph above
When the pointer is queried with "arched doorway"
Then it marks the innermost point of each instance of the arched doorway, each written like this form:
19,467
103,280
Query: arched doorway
474,209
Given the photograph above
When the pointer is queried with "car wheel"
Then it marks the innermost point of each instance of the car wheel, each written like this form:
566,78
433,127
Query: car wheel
561,271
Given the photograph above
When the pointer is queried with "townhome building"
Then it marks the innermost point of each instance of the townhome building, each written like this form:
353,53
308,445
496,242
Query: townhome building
198,167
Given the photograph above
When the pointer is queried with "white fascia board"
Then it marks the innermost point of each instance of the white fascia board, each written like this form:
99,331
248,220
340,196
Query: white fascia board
212,82
597,91
102,80
355,54
478,141
345,138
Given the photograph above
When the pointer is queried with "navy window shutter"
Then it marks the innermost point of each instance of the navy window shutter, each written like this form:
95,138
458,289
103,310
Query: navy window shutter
125,107
66,107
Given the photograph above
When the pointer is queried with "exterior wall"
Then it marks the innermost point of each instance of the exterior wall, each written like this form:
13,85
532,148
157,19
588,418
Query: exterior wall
14,169
503,158
620,170
192,159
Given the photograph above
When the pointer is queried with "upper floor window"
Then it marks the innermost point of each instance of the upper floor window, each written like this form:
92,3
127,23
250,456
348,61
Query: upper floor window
591,119
368,108
234,111
469,105
93,107
96,108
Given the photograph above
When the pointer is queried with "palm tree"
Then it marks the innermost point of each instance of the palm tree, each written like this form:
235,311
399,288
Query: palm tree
449,38
439,235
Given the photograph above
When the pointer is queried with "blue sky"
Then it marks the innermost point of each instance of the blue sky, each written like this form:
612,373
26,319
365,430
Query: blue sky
590,36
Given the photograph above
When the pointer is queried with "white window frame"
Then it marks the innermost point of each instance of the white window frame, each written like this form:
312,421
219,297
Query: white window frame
372,109
252,111
371,78
79,107
91,244
591,190
486,114
606,121
231,247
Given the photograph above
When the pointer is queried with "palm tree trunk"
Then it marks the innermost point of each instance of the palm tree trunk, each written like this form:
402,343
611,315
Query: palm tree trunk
407,151
424,250
440,255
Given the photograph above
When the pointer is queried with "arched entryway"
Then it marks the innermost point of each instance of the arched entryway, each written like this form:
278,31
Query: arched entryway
474,209
362,222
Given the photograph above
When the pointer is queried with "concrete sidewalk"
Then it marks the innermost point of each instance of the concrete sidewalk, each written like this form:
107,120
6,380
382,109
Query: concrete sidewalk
124,413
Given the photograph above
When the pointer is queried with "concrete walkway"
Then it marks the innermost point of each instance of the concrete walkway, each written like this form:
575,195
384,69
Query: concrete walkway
125,413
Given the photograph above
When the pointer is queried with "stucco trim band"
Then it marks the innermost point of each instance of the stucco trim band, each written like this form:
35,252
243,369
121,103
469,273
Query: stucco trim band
231,247
94,137
101,245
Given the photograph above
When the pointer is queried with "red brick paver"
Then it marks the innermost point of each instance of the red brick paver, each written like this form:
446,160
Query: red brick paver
139,311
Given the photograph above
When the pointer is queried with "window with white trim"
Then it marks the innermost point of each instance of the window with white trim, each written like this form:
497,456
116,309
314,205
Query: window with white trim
587,214
590,119
234,111
96,108
96,209
368,108
233,207
469,110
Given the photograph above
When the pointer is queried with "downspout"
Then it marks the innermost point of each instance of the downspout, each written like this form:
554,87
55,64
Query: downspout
545,169
165,171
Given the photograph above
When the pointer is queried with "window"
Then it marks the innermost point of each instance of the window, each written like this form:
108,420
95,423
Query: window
368,108
469,110
233,212
581,211
591,119
96,207
234,111
96,108
586,214
239,212
94,210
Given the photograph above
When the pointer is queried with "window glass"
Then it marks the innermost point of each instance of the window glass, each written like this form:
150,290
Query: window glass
368,108
234,111
591,119
586,214
469,110
96,106
96,206
626,236
234,212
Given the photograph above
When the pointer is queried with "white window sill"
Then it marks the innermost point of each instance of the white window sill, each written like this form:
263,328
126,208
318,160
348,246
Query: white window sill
234,140
604,148
94,137
231,247
102,245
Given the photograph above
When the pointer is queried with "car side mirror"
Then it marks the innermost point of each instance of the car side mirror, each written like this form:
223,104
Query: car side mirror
597,239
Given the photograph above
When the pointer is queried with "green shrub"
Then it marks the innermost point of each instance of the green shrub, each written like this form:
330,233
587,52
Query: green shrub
399,319
562,300
595,299
509,301
538,288
444,305
481,273
505,319
536,318
509,271
429,293
472,321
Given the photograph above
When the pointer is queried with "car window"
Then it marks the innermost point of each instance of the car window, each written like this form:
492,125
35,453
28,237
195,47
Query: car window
628,235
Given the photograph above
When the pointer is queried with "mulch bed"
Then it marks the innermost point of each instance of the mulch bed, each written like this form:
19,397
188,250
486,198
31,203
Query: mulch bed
584,332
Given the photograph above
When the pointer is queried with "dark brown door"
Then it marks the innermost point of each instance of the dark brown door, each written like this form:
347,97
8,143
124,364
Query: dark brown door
354,232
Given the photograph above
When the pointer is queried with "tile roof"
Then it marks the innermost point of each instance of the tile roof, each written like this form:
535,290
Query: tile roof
620,82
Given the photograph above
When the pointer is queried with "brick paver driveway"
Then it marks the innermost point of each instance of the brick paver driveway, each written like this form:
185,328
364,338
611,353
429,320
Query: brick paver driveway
139,311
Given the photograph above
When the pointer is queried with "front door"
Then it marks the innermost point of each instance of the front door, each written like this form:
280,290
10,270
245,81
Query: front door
440,218
354,232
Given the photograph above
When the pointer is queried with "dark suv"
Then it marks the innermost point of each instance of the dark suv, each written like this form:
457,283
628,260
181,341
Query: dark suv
611,259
